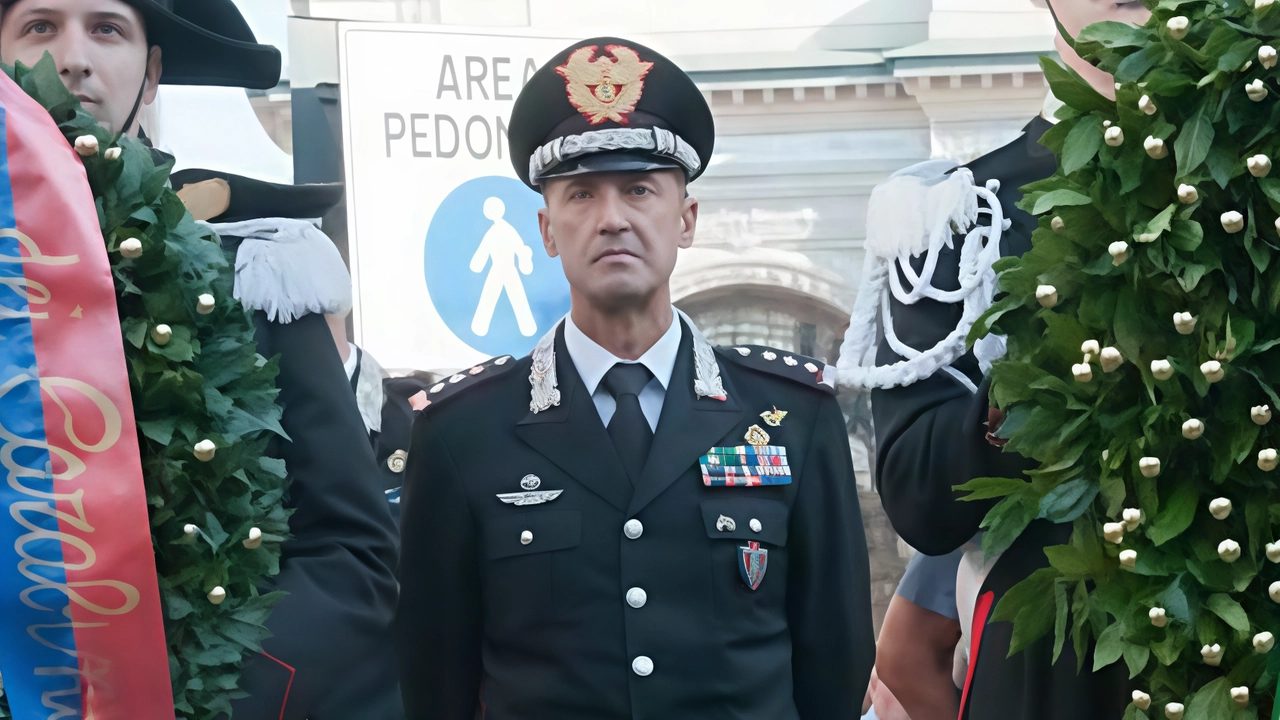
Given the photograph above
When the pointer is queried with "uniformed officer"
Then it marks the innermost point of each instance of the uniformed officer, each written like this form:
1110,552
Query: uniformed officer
934,427
292,276
328,657
630,523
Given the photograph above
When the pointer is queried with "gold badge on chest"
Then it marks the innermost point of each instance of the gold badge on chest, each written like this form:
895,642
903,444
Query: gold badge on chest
773,418
756,436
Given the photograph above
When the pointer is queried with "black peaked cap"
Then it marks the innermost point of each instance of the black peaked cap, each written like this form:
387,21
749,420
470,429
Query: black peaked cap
669,99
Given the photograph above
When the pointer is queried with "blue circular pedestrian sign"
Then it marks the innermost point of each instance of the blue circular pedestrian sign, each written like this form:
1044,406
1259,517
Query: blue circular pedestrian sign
487,273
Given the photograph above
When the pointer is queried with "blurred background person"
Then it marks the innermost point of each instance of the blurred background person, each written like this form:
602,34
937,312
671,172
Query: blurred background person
916,651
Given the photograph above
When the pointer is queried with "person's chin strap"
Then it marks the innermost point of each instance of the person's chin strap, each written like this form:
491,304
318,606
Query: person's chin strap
137,104
1054,13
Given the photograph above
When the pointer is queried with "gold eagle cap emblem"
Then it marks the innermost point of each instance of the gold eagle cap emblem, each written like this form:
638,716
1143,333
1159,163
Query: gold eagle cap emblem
604,88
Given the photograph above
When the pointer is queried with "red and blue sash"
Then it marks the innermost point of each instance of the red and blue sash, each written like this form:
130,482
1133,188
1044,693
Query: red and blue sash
81,633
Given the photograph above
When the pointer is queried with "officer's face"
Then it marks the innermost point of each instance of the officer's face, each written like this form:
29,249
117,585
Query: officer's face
617,234
99,46
1076,15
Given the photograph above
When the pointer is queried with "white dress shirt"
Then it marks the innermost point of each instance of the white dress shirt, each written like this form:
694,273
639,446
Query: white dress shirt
593,361
368,387
352,361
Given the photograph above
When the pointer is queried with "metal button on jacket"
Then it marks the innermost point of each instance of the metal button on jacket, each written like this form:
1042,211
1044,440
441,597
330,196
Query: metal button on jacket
637,597
755,525
642,666
526,537
397,461
633,529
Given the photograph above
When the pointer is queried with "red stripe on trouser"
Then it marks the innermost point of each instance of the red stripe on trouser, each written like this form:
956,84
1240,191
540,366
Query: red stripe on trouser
980,613
287,688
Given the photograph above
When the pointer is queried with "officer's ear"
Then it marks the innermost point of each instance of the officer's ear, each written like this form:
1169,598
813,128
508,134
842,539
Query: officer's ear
548,235
155,68
688,221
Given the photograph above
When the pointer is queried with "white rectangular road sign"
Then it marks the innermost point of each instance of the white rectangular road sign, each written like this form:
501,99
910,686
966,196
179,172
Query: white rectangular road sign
426,112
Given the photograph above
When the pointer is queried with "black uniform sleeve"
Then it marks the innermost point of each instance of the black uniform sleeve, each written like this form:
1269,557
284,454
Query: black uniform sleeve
437,626
829,582
931,436
338,569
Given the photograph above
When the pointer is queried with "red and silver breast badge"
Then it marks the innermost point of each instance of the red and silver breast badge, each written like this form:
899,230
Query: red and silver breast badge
604,88
752,562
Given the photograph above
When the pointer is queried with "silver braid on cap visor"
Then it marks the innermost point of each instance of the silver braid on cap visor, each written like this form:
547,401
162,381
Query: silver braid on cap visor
657,140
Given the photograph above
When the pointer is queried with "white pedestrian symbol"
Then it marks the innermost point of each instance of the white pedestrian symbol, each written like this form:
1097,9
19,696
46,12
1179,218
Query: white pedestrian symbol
504,247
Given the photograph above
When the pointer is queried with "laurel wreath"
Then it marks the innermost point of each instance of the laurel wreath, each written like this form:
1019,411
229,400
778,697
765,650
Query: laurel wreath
1149,430
207,382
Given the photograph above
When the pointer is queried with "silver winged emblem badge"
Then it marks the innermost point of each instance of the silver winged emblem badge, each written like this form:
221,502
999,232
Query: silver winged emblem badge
537,497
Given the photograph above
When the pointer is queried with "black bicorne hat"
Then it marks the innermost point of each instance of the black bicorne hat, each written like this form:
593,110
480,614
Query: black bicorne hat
205,42
252,199
609,105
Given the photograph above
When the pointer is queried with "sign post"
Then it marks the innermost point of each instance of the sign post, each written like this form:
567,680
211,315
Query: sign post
446,258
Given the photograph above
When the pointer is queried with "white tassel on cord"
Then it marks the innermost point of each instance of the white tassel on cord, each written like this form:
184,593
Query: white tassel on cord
918,210
288,268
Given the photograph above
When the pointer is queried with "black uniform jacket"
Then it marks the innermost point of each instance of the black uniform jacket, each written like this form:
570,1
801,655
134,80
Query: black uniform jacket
541,630
931,436
330,654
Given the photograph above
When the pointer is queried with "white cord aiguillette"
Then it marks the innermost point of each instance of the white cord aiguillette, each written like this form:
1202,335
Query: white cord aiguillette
919,210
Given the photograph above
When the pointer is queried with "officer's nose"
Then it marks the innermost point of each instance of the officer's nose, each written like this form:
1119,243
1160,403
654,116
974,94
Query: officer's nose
613,214
75,62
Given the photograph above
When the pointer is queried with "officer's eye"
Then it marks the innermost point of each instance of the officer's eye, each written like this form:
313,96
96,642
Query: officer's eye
581,195
640,190
107,29
39,28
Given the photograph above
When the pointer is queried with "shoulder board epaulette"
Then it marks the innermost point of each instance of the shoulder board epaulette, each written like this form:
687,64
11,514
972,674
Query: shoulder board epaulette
469,378
804,370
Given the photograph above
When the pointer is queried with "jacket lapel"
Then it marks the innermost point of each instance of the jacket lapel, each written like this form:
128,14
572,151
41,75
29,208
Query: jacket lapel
572,436
688,427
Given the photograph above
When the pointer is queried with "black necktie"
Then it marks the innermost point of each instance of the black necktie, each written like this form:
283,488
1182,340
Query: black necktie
628,428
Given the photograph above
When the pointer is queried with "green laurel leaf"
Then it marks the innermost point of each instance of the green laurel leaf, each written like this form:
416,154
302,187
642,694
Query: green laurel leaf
1082,145
1176,512
1193,143
1056,198
1229,610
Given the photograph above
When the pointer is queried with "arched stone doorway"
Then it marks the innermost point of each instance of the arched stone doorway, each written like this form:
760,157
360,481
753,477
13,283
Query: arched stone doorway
763,297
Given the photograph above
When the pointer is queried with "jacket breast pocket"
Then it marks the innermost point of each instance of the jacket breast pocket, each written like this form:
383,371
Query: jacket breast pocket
739,517
518,572
533,532
735,521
